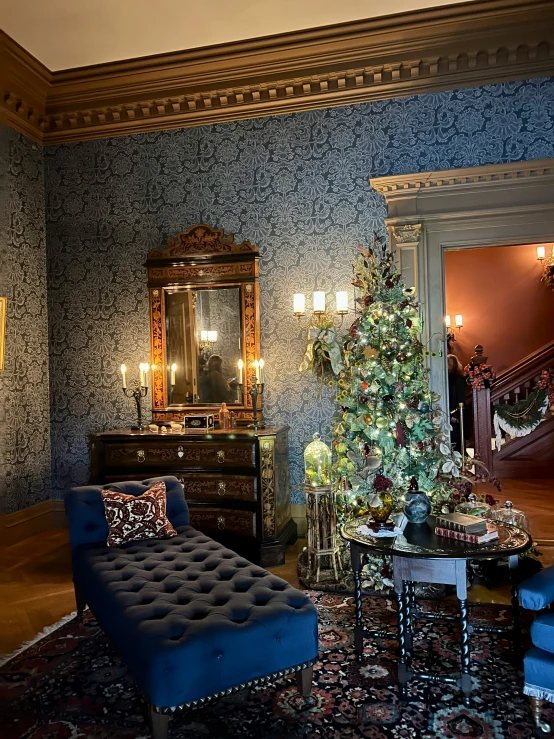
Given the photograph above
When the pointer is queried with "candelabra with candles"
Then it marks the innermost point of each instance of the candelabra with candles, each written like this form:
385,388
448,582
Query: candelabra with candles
255,390
321,316
140,391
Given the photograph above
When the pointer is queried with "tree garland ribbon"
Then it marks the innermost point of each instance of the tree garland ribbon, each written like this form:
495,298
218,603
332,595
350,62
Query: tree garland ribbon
522,417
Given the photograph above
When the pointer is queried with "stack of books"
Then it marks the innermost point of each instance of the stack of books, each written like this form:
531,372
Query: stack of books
471,529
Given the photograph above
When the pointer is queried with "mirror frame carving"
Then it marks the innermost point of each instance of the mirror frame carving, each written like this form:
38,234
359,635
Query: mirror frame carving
202,256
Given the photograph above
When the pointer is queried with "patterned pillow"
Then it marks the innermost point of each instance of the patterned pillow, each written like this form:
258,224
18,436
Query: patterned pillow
136,517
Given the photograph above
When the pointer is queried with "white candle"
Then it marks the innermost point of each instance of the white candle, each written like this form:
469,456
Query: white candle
143,370
447,321
123,376
319,302
212,336
257,370
459,320
299,304
342,302
203,335
173,369
262,373
541,252
240,365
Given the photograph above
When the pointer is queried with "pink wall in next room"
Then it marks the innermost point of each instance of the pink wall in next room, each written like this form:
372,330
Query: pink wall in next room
505,305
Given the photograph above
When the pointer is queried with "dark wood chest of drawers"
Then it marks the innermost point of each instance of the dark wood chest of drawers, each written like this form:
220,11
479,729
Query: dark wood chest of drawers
236,482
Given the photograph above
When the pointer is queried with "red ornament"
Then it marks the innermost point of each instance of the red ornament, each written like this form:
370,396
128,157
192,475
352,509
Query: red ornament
364,385
368,300
353,330
389,283
409,323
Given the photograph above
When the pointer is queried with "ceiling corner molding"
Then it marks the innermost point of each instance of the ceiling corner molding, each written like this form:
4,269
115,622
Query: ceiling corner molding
24,86
470,44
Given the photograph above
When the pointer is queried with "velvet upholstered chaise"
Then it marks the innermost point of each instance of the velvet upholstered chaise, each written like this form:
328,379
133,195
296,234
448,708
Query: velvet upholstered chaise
192,619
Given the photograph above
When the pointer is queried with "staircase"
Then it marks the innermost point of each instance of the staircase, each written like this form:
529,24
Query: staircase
530,456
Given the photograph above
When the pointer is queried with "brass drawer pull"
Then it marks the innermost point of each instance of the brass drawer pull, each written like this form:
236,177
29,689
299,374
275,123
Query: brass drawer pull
221,488
221,456
221,522
141,455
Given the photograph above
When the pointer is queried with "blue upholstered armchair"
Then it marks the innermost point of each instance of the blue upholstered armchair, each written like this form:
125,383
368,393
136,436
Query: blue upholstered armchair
537,594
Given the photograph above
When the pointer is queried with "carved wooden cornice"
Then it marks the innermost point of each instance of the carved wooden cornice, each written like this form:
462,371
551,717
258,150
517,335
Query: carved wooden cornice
435,49
410,185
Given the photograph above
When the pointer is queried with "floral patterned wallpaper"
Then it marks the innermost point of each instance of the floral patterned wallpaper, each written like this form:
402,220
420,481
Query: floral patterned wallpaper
24,383
296,185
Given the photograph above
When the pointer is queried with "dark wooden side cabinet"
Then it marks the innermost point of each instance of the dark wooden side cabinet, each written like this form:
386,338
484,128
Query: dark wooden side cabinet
236,482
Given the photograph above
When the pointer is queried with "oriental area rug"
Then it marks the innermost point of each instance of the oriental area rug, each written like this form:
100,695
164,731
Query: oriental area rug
72,684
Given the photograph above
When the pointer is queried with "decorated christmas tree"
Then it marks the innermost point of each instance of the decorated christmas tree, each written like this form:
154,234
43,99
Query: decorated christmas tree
389,431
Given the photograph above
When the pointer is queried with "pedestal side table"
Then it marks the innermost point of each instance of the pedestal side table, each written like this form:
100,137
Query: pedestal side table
418,555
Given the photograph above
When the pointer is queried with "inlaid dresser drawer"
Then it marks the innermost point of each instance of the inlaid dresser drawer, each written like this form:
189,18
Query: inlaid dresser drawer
180,454
225,520
205,487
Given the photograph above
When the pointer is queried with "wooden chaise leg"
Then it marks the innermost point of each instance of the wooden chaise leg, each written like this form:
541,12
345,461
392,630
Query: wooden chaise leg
304,681
536,706
80,600
158,722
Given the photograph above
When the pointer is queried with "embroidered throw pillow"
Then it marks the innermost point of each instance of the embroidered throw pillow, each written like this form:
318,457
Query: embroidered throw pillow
136,517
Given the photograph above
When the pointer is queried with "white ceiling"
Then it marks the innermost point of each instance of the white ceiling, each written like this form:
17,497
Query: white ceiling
75,33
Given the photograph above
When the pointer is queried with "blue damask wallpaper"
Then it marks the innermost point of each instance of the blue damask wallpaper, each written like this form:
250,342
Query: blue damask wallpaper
24,383
297,185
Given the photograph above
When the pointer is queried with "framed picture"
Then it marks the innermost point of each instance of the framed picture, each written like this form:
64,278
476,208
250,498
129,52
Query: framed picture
2,331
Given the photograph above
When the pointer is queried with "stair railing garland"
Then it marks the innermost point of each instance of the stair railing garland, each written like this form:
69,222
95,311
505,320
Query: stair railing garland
479,376
521,418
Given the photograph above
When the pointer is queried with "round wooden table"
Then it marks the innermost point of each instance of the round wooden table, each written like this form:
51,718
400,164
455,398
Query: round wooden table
418,555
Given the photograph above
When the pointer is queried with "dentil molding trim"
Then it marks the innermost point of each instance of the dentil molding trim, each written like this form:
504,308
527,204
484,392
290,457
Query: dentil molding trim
464,45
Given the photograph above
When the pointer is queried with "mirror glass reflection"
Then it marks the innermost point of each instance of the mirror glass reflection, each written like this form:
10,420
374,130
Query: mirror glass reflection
203,342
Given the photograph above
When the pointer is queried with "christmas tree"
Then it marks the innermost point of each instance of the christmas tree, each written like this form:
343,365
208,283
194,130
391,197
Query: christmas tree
390,428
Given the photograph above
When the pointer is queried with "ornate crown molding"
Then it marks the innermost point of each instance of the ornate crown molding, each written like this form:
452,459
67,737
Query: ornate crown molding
409,185
475,43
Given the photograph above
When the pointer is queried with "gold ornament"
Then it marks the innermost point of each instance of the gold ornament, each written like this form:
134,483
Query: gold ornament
381,422
368,419
381,512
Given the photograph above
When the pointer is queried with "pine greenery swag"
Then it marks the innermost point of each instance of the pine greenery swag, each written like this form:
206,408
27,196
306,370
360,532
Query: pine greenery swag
389,422
521,418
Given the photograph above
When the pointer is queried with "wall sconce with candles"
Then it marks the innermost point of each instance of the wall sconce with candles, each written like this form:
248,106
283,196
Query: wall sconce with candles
207,340
547,264
450,333
321,316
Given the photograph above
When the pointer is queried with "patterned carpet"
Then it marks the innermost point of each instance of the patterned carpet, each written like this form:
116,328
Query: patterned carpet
72,684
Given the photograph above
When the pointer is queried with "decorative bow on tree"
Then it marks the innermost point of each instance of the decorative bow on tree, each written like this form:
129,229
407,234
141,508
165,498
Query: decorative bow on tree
323,355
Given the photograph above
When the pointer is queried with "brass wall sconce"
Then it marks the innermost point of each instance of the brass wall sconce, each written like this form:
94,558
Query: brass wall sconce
321,316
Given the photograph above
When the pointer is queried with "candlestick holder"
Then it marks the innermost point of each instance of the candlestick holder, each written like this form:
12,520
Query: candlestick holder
256,389
139,392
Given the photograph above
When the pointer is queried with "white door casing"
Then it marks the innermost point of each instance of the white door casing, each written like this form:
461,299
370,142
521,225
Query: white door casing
493,205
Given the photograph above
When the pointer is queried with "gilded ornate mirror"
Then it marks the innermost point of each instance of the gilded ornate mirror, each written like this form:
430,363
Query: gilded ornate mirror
204,318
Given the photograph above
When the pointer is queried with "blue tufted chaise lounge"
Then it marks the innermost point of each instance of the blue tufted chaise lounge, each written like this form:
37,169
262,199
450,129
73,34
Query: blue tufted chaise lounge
537,594
192,619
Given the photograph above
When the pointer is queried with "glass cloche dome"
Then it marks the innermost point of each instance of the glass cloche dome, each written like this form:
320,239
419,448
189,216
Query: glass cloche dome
317,463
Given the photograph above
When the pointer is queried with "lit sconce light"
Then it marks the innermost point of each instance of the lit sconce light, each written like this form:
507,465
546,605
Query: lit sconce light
458,318
207,340
319,302
447,321
541,253
299,302
173,370
320,315
450,333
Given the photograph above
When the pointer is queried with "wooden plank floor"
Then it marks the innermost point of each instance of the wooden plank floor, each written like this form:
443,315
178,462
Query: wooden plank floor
36,589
